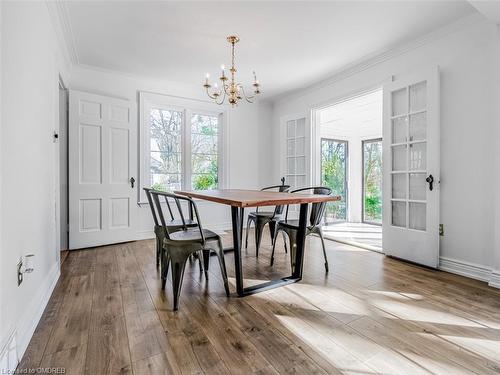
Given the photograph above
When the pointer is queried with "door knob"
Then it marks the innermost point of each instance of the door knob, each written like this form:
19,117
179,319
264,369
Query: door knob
430,180
132,182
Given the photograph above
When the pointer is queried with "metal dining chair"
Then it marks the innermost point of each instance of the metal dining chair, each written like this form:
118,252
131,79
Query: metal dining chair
179,245
173,224
260,219
291,227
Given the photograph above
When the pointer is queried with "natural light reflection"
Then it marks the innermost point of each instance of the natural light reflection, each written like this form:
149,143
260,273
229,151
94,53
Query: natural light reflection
395,295
430,364
421,314
333,352
483,347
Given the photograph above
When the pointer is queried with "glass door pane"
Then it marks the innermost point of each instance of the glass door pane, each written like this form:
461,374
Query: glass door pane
409,157
372,181
334,175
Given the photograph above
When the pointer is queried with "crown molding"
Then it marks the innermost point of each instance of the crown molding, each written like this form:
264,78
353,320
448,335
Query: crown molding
381,56
59,15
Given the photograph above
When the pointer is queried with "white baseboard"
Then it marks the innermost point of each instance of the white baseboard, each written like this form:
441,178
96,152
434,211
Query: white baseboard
8,355
459,267
34,311
494,279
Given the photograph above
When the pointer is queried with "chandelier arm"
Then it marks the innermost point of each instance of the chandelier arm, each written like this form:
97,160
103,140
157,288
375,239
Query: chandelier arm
223,98
247,98
225,86
211,96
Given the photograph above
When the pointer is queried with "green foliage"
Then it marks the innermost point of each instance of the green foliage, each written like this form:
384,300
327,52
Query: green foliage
209,180
373,181
158,186
333,172
373,207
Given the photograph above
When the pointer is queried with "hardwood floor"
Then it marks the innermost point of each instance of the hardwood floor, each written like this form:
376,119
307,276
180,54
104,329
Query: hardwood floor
370,314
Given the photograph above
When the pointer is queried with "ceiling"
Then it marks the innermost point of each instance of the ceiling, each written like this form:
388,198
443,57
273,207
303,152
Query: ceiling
289,44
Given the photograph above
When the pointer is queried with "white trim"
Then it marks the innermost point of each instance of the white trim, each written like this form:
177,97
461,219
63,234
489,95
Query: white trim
460,267
8,355
379,57
494,279
59,15
34,311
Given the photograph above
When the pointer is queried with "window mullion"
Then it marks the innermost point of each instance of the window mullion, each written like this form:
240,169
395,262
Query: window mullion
187,149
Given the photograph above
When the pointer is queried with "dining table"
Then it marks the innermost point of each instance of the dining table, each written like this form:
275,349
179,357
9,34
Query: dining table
238,200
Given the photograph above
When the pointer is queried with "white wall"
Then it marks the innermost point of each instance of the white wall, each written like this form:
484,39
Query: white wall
29,102
464,52
249,123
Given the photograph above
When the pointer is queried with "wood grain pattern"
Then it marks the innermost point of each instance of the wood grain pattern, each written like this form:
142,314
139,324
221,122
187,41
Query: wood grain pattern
255,198
368,315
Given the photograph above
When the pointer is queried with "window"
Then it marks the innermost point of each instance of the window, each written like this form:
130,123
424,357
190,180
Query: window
334,176
372,181
181,144
295,165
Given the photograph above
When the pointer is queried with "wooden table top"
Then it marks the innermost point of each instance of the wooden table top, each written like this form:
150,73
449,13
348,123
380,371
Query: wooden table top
255,198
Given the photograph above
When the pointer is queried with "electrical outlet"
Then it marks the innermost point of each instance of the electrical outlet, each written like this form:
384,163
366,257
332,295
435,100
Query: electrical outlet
441,229
19,272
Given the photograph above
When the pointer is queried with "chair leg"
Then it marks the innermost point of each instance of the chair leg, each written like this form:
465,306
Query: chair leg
249,221
274,244
222,263
320,232
259,228
165,262
292,238
178,266
272,229
206,261
284,242
158,252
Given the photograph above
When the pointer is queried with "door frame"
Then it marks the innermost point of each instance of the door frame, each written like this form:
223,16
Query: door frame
315,134
346,173
363,181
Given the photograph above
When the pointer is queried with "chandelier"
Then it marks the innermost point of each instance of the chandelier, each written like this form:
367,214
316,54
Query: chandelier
229,87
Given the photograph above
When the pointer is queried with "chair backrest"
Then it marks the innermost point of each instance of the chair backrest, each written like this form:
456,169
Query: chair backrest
152,205
278,210
155,194
317,209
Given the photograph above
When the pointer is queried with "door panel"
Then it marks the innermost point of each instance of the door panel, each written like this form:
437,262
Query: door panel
102,160
410,156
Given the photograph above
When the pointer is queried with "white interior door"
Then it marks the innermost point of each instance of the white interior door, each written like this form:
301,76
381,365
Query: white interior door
410,222
102,170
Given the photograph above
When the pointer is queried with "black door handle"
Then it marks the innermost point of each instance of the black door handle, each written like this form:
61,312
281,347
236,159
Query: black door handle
430,180
132,182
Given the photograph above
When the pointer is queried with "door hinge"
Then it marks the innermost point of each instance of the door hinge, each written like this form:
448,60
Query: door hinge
441,229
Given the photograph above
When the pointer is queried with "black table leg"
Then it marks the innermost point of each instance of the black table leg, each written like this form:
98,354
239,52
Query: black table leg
301,243
237,219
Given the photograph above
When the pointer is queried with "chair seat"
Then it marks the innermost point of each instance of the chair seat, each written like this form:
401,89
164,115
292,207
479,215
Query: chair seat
192,235
261,214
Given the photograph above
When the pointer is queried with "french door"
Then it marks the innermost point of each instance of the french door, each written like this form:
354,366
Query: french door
102,170
411,168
